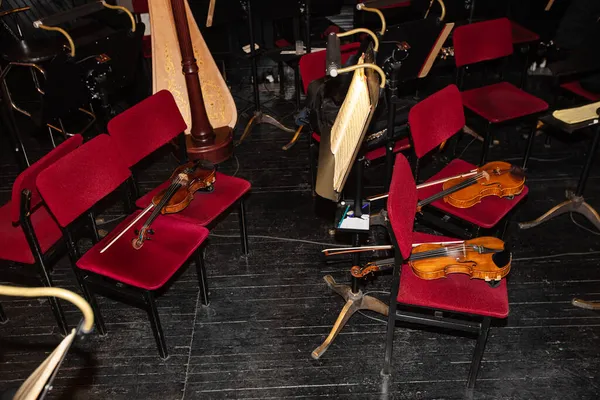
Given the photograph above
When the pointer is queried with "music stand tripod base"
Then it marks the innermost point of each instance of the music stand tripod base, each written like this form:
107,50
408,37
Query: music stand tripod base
354,302
574,204
261,118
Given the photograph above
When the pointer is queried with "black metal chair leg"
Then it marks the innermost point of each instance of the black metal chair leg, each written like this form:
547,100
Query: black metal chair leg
391,325
478,353
3,318
202,278
57,310
155,323
487,140
530,140
312,164
91,298
243,230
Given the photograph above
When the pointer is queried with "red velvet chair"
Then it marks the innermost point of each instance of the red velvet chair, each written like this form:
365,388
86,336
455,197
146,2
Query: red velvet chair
71,187
575,87
500,102
30,238
465,298
312,67
154,122
433,121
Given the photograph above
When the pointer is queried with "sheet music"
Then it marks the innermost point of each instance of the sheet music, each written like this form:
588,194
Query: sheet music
349,125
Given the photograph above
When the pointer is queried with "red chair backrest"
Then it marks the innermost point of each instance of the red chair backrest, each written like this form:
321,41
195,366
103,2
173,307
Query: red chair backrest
435,119
73,184
26,180
140,6
312,65
147,126
482,41
402,204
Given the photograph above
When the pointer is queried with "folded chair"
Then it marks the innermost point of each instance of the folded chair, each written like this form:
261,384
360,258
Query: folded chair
29,236
152,123
499,102
472,303
71,187
432,122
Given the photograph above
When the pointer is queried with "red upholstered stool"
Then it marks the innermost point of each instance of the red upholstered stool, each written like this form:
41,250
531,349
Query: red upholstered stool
466,299
119,269
432,122
29,235
486,214
156,121
501,102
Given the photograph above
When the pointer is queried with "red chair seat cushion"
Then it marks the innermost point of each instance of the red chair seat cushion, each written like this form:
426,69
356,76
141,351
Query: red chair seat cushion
502,102
206,206
521,35
150,267
400,145
14,245
456,292
485,214
576,88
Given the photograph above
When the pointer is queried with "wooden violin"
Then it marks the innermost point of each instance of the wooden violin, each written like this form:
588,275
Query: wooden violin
496,178
484,258
185,181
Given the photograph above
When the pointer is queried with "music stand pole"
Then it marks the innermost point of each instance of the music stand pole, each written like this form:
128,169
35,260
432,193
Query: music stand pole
355,299
259,116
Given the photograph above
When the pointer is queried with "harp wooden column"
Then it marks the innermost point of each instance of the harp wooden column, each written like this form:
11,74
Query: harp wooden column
204,141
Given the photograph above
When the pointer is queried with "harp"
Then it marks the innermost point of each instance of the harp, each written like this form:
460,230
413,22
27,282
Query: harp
167,74
340,146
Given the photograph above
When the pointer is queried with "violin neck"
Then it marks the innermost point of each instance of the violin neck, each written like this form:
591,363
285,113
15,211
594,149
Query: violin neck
165,199
449,191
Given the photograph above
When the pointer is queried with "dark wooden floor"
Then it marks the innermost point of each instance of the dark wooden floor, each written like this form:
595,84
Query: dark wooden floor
269,311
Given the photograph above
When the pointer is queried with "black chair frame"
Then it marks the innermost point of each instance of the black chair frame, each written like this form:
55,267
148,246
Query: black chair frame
438,320
91,283
43,262
133,193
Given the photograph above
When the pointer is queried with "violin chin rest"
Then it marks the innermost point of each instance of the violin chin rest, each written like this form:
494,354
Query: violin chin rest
502,258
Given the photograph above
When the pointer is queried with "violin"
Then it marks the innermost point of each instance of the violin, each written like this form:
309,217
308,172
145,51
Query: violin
496,178
186,180
484,258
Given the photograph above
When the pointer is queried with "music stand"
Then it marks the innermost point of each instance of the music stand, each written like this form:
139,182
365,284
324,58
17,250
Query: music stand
259,117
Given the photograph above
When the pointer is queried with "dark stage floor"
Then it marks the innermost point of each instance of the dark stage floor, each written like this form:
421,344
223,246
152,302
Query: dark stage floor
270,310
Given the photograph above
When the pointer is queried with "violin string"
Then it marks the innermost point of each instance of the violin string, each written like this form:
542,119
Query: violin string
467,182
168,193
440,252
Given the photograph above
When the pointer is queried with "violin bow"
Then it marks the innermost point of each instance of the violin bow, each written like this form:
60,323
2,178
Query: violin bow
348,250
427,184
144,212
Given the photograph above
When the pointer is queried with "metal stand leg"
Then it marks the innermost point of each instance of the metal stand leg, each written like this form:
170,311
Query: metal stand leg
91,298
354,302
575,201
202,278
312,161
259,117
478,353
588,305
155,323
243,231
